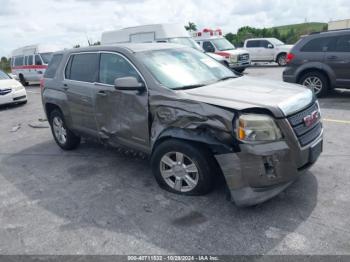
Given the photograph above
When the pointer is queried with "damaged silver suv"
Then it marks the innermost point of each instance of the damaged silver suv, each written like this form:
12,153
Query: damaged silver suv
194,117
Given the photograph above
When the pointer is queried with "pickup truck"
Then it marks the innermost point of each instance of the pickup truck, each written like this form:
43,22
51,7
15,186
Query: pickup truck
267,50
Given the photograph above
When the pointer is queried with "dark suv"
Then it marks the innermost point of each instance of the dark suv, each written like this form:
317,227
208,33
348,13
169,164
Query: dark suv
320,61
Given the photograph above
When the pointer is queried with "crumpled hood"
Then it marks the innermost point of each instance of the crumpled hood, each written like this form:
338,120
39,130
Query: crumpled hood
281,98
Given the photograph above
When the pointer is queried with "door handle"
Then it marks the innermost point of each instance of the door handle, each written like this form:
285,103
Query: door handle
101,93
332,57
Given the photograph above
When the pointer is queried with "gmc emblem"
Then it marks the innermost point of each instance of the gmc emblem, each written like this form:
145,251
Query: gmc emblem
311,119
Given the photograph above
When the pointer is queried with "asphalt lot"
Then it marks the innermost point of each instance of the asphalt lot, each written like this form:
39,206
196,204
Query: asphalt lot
96,200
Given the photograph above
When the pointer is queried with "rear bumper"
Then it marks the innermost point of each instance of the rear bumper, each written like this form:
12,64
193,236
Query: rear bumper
289,76
260,172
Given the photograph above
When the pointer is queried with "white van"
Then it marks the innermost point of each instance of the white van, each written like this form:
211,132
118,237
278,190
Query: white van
158,33
29,63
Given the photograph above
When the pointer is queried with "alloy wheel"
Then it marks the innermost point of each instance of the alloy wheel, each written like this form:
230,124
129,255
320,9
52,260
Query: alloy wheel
179,171
59,130
314,83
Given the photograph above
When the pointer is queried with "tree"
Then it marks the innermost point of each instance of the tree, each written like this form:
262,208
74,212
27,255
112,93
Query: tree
97,43
76,46
191,27
5,64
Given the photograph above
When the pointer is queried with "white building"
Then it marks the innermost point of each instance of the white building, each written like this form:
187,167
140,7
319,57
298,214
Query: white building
339,24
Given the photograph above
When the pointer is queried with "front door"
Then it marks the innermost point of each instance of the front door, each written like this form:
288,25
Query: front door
122,116
80,75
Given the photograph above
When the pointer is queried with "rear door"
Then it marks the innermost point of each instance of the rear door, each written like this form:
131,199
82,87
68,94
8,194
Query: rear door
338,58
122,116
81,73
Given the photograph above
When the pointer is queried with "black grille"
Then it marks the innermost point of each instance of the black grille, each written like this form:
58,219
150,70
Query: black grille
243,57
306,134
5,91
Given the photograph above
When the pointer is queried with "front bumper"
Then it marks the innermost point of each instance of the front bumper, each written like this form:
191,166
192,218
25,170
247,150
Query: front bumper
14,97
239,65
260,172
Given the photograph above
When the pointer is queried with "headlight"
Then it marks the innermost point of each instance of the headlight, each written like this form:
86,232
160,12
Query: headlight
18,87
233,58
254,128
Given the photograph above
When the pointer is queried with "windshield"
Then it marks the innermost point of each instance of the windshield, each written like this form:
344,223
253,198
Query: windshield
275,41
222,44
46,57
3,75
186,41
183,67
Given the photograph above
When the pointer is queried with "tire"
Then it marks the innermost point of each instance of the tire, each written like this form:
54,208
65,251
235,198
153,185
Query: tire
167,162
311,79
22,80
282,59
64,138
240,70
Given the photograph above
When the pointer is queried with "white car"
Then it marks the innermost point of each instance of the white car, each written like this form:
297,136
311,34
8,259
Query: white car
267,50
11,91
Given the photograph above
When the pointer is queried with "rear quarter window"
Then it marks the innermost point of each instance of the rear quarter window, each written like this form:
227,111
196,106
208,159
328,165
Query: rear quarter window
320,44
53,66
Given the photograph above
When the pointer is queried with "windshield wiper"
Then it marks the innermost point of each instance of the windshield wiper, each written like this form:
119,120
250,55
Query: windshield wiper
188,87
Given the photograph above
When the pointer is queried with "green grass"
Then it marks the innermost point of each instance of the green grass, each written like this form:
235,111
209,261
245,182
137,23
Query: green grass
301,29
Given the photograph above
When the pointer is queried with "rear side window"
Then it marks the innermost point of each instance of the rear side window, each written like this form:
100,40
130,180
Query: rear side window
83,67
343,44
38,60
318,45
53,65
253,43
19,60
30,60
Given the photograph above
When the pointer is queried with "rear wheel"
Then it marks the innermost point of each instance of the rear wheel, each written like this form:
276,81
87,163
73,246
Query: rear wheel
65,138
183,168
282,59
315,81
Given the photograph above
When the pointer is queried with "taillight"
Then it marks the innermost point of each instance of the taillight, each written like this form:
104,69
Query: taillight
290,57
42,82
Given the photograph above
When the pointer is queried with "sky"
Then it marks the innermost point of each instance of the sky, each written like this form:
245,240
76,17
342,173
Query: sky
70,22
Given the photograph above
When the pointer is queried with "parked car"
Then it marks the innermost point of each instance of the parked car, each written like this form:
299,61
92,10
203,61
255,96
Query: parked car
156,33
11,91
320,61
193,116
267,50
213,42
29,63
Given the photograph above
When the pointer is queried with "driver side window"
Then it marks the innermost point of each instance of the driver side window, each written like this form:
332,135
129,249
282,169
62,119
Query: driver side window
208,47
114,66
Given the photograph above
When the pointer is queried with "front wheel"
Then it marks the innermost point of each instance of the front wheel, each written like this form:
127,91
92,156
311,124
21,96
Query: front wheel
183,168
315,81
22,80
240,70
64,138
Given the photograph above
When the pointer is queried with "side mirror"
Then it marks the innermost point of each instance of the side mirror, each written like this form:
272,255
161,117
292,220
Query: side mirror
270,46
128,83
